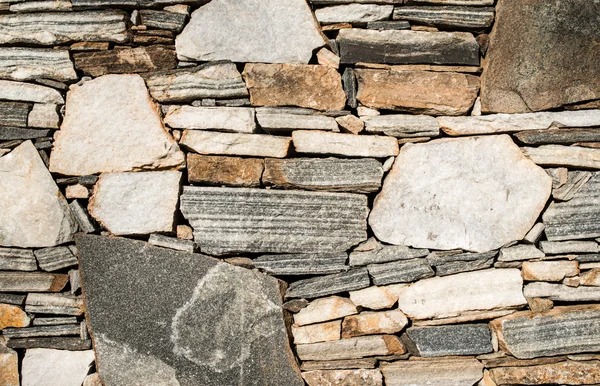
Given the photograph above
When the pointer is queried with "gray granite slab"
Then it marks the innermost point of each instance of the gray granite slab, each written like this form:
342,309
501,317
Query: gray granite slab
460,339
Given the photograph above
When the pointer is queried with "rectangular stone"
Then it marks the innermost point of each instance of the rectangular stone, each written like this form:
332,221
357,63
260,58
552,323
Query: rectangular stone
377,298
34,6
549,270
450,264
520,252
81,216
19,63
421,67
229,220
219,170
27,92
324,309
286,123
558,136
452,2
463,18
369,323
402,271
407,47
367,363
319,286
32,282
258,145
351,348
57,343
50,28
460,339
170,21
561,292
468,316
302,264
575,180
40,331
362,377
322,332
55,321
562,373
126,60
439,372
353,13
570,156
58,304
55,258
383,25
320,142
13,259
8,133
331,174
227,119
43,115
171,243
402,125
14,114
17,300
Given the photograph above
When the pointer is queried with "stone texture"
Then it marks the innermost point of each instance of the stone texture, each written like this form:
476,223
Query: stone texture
506,190
440,372
13,259
515,82
171,243
126,60
20,63
401,271
322,332
283,123
451,262
228,220
136,203
43,115
112,125
418,92
250,31
460,339
562,293
562,136
441,297
56,304
380,253
324,309
302,264
230,171
366,363
520,252
350,124
369,323
407,47
549,270
188,319
591,277
55,367
462,18
351,348
164,20
257,145
353,13
361,377
19,91
330,174
321,142
573,156
402,125
575,180
228,119
55,258
34,212
311,86
55,343
377,298
328,285
9,367
32,282
12,316
562,373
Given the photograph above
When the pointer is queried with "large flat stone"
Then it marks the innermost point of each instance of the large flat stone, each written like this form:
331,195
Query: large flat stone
43,366
351,348
535,66
562,373
32,282
417,206
281,123
559,155
318,286
112,125
30,63
126,60
439,372
34,211
269,31
257,145
184,318
321,142
460,339
227,119
353,13
402,125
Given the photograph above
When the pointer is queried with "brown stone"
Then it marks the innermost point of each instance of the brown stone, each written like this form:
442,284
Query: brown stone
540,304
542,55
358,377
312,86
12,316
563,373
423,92
9,367
219,170
350,124
591,277
369,323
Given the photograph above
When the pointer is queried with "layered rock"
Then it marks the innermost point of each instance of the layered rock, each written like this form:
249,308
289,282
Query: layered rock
29,63
321,142
441,372
567,372
126,60
402,125
18,91
460,339
351,348
470,18
353,13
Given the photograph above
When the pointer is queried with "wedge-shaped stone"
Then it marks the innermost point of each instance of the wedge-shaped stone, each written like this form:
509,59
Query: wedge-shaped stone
12,316
419,92
136,203
30,63
442,297
258,145
112,125
402,125
178,329
164,20
232,171
283,123
369,323
55,258
13,259
439,372
561,292
210,80
385,253
590,278
351,348
34,211
55,367
228,119
32,282
81,215
558,155
171,243
468,316
322,332
377,298
263,31
562,330
324,309
228,220
27,92
507,193
353,13
562,373
9,367
407,47
451,262
520,252
402,271
50,28
311,86
332,174
126,60
331,284
469,18
460,339
549,270
320,142
357,377
302,264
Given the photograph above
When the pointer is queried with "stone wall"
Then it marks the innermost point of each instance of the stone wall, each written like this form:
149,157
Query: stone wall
282,192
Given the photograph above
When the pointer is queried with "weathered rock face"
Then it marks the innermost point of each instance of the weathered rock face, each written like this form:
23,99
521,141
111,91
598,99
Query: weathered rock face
538,66
506,193
9,367
361,377
461,339
232,171
324,309
321,142
18,91
251,31
351,348
12,316
257,145
195,320
228,119
111,125
29,63
126,60
34,212
442,372
43,366
562,373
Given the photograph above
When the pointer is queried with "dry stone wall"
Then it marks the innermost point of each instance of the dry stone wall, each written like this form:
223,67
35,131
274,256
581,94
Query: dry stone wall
323,192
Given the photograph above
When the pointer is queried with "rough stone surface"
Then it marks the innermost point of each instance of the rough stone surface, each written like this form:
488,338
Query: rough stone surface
469,18
112,125
350,280
402,125
136,203
380,253
357,377
369,323
27,92
14,259
321,142
460,339
561,292
281,123
302,264
562,373
401,271
549,270
415,207
12,316
231,171
559,155
188,319
441,372
324,309
322,332
351,348
536,66
32,282
9,367
257,145
520,252
34,212
228,119
49,367
353,13
19,63
377,298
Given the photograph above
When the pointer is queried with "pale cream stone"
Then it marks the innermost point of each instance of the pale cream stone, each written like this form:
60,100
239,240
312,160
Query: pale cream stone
570,156
377,298
369,323
320,142
322,332
549,270
76,191
257,145
44,115
228,119
51,367
324,309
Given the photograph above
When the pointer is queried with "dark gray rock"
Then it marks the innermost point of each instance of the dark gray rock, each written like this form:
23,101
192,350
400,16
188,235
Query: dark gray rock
383,25
57,343
373,252
169,21
464,18
126,60
560,135
17,300
402,271
302,264
55,258
7,133
460,339
14,114
315,287
450,262
350,87
41,331
14,259
184,318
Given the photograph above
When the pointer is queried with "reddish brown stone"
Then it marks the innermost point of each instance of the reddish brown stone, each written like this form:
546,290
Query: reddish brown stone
564,373
219,170
12,316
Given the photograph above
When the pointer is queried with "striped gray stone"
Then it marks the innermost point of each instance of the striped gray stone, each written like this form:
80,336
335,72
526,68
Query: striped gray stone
13,259
164,20
55,258
315,287
451,262
40,331
7,133
14,114
19,63
471,18
402,125
401,271
302,264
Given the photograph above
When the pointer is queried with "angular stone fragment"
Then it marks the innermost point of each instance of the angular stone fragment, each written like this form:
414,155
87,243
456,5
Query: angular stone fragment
418,92
369,323
506,190
17,300
331,174
361,377
460,339
34,6
447,296
20,63
13,259
463,18
575,180
351,348
55,321
92,380
562,373
324,309
591,277
55,367
402,126
520,252
81,216
407,47
536,66
377,298
350,124
315,287
19,91
126,60
381,253
9,367
403,271
228,119
55,258
320,142
557,155
439,372
353,13
250,31
50,28
180,337
258,145
172,243
32,282
231,171
122,132
302,264
12,316
76,191
327,58
170,21
451,262
285,123
34,212
322,332
210,80
561,292
228,220
310,86
43,115
549,270
136,203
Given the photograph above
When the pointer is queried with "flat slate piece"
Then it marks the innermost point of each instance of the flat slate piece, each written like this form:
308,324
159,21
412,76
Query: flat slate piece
460,339
319,286
469,18
14,259
401,271
442,372
126,60
185,318
302,264
21,63
230,220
